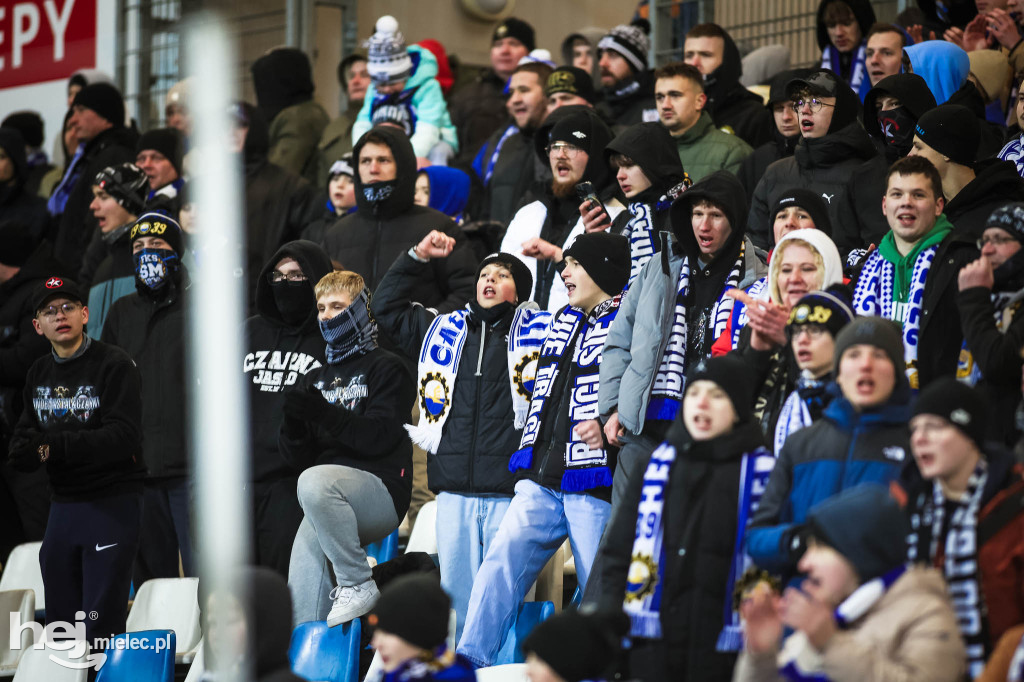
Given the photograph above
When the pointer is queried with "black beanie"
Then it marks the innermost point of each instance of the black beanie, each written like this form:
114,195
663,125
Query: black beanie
578,646
808,201
873,331
733,376
105,100
951,130
1009,218
961,405
572,80
521,274
830,308
29,124
159,224
518,29
16,244
605,257
415,608
167,141
866,526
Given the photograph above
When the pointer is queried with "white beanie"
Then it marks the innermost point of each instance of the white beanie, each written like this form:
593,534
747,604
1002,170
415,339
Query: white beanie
387,60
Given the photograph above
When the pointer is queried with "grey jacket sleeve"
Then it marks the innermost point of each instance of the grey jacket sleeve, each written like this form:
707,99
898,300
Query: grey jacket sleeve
615,357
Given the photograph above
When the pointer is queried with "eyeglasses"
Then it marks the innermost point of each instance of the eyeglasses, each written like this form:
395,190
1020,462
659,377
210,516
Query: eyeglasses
994,241
558,148
814,103
66,308
814,331
275,276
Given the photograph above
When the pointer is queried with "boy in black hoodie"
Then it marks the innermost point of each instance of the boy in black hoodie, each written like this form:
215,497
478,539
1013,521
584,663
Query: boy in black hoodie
343,430
150,326
83,420
485,386
282,344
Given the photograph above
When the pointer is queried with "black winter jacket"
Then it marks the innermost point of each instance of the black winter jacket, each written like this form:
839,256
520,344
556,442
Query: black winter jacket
754,166
369,394
700,520
19,204
479,435
515,171
77,224
277,356
996,183
733,108
631,101
369,240
153,333
20,345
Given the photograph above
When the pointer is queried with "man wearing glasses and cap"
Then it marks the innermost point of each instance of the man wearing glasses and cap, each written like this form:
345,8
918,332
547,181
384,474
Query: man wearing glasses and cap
833,145
83,420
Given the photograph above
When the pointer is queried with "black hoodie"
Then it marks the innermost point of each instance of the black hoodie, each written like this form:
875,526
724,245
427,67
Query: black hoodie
278,354
17,204
914,96
369,240
631,100
282,78
733,108
278,203
651,146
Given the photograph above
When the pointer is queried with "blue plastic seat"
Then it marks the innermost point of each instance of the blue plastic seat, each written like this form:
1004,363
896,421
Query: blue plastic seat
318,652
530,614
384,550
128,661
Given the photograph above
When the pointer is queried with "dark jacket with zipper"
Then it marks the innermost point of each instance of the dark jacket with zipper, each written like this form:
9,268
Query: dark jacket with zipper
108,273
277,356
369,240
699,521
479,434
152,331
733,108
995,184
753,167
369,392
842,449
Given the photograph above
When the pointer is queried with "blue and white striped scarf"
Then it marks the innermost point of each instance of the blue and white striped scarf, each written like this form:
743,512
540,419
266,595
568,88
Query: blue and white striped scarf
873,296
670,380
573,345
642,242
439,365
858,71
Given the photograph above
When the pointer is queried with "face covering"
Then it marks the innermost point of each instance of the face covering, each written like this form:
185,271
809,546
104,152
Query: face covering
379,192
897,130
294,300
351,332
155,267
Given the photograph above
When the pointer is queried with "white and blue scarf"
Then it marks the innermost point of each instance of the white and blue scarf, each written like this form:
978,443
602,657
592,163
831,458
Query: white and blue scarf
739,317
643,242
439,360
645,578
796,413
873,296
959,560
799,661
573,345
858,71
669,382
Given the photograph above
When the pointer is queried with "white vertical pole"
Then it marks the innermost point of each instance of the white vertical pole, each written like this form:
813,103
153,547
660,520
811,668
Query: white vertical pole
219,404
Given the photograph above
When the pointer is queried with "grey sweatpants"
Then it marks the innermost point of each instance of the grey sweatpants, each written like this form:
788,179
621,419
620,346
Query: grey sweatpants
344,509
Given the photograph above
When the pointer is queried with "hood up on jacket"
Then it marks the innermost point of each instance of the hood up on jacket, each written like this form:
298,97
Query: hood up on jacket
13,145
821,243
449,189
282,78
942,65
909,88
724,190
257,139
585,128
723,84
315,263
654,150
863,12
401,198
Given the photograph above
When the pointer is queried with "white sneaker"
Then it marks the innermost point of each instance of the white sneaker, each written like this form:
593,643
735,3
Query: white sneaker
352,601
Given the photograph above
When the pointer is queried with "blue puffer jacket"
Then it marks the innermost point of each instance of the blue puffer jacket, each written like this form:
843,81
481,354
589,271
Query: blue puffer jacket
837,452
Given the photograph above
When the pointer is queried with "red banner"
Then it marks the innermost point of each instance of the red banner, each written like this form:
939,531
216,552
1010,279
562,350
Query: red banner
45,40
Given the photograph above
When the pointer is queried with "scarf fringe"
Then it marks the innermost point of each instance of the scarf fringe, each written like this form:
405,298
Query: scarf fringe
427,438
646,625
730,639
521,459
578,480
663,408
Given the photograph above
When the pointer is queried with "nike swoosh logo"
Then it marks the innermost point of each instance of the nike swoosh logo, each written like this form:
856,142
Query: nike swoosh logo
100,549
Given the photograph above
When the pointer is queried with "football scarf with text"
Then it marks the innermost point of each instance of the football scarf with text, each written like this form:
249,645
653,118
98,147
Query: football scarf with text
573,346
439,360
669,382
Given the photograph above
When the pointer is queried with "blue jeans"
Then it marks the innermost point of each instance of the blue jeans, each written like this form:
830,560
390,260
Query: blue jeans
466,525
536,524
